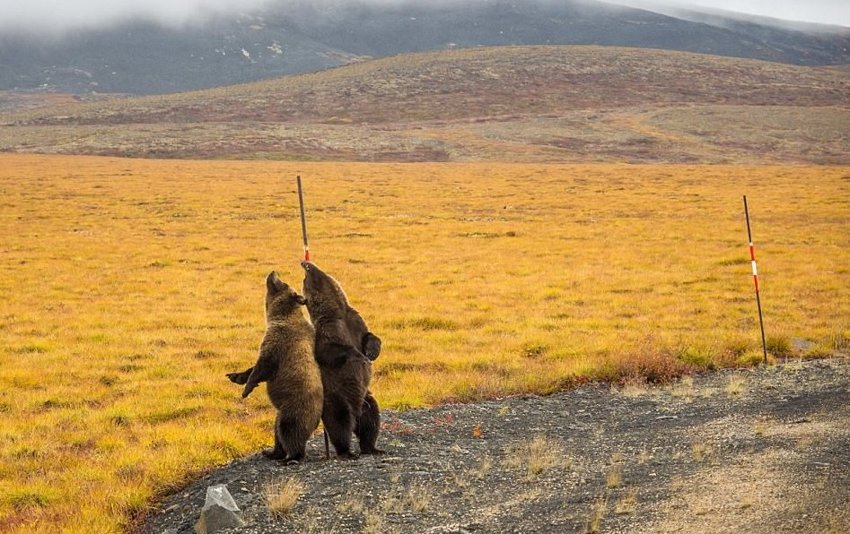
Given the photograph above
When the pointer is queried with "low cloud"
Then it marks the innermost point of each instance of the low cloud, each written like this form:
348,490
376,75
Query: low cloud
37,15
50,15
835,12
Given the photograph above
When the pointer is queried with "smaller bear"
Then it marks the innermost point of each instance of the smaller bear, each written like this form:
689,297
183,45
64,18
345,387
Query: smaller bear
344,349
286,362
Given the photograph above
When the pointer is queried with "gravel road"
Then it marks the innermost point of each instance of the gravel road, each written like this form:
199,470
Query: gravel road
759,450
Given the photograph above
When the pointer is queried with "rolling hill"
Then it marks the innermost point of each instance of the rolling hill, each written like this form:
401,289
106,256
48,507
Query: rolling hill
542,103
295,36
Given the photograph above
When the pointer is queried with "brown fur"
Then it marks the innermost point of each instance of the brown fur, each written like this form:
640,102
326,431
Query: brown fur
344,349
287,363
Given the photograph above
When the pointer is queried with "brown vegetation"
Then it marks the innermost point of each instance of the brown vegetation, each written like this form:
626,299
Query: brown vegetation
530,104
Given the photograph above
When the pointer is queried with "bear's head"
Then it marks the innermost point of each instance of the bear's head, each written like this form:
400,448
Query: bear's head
281,300
324,295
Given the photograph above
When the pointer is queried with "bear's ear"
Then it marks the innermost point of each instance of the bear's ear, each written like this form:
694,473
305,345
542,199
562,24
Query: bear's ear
371,346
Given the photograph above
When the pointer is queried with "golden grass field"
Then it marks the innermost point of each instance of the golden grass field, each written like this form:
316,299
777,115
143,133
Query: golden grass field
130,287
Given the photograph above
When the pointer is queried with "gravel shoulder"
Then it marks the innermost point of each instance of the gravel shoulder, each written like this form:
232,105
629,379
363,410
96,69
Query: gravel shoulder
760,450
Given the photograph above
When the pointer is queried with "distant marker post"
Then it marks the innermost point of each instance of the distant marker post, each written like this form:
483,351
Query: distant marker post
303,219
755,277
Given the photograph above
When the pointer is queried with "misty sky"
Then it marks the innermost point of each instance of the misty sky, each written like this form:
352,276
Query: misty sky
823,11
62,14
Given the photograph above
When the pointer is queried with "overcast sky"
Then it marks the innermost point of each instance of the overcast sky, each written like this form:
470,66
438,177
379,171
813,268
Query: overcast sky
62,14
823,11
38,14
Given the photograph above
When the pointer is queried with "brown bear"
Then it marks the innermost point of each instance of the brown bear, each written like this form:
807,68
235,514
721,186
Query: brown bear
344,350
287,363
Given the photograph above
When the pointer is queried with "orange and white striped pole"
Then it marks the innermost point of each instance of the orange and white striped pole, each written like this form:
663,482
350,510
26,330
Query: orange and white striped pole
755,277
303,220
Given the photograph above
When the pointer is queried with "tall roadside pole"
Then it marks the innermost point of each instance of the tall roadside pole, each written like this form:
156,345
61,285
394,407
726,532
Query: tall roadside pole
755,278
303,220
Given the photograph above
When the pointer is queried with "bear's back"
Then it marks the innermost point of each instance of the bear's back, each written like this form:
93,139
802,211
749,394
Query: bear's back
297,383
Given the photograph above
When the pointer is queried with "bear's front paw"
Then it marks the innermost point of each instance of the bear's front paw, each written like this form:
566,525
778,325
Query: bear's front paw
238,378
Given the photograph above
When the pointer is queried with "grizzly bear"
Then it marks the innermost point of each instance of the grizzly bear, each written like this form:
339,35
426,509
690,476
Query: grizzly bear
287,363
344,350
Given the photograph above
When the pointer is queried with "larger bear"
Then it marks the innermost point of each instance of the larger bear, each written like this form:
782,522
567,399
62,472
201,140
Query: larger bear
344,350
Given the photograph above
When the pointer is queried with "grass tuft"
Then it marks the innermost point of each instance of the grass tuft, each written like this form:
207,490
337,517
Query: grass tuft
698,357
351,504
281,496
614,476
26,498
840,341
736,385
597,514
751,358
626,504
647,364
418,498
702,452
535,455
779,346
373,523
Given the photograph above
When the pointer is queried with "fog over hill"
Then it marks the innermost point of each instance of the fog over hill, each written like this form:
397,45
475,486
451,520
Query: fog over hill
791,13
157,52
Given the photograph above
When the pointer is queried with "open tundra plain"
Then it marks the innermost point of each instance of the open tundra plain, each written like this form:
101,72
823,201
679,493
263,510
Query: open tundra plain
128,288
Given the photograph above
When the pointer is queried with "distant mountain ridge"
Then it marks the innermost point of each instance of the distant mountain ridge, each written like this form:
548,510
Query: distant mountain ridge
143,57
512,103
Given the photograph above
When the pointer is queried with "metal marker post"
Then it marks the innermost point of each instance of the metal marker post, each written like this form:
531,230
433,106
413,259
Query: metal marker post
307,258
755,277
303,220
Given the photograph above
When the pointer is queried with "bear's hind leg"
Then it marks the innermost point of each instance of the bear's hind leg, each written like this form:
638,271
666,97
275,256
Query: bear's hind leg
278,452
294,437
368,426
339,424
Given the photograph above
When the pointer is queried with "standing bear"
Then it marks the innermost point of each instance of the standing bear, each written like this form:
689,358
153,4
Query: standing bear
287,363
344,350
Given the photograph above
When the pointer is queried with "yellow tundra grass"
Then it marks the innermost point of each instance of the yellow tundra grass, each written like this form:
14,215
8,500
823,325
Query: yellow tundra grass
129,288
